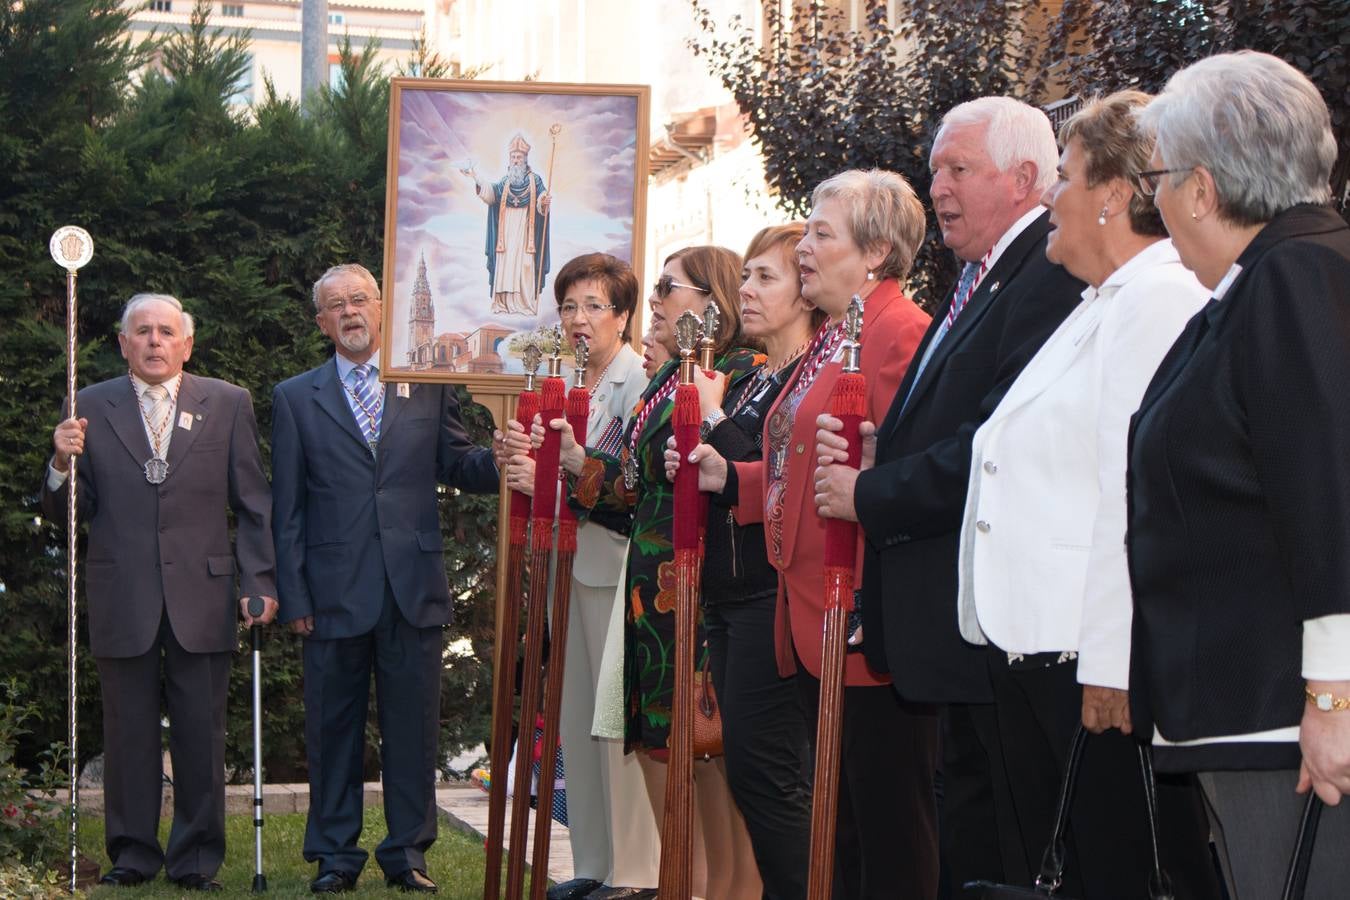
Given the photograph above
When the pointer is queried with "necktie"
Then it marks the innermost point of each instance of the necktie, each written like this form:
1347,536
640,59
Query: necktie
963,292
157,415
366,403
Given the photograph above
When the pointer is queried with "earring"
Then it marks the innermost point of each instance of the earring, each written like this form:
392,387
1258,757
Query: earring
871,276
1194,216
1101,217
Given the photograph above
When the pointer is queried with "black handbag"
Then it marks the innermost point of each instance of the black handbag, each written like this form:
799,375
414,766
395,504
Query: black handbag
1297,879
1050,879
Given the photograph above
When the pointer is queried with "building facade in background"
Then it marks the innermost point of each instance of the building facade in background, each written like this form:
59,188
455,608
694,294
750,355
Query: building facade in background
275,29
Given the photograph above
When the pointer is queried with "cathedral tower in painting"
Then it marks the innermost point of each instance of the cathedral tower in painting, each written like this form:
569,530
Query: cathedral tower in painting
421,320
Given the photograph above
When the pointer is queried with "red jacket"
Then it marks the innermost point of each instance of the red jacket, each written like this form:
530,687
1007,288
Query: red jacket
892,329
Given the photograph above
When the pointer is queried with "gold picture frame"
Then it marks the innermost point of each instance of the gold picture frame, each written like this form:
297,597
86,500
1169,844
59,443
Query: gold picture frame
471,244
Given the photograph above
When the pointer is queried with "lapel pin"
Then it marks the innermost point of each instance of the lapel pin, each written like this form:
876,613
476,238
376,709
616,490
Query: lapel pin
185,420
403,390
993,287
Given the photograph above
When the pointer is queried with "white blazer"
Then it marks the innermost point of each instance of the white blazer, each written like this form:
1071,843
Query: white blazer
601,552
1042,556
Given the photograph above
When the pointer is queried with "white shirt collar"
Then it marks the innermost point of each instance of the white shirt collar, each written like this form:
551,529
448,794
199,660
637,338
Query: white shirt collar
1012,233
1222,288
345,365
140,386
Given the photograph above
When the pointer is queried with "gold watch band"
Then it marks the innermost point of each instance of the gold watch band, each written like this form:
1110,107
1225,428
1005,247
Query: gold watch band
1327,701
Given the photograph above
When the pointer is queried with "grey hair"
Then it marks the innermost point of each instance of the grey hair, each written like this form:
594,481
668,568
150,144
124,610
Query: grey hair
356,269
1256,124
881,208
1017,133
139,300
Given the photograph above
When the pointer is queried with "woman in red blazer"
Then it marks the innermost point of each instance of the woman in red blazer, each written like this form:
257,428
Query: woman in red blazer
861,237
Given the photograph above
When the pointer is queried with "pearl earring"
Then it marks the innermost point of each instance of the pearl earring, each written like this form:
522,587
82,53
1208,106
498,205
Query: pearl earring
871,276
1101,217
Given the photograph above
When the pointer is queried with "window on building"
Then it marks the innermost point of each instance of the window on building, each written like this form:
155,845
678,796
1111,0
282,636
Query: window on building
233,10
161,6
337,18
243,85
336,81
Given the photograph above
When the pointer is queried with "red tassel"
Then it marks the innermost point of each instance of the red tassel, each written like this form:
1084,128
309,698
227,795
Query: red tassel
551,402
688,502
526,407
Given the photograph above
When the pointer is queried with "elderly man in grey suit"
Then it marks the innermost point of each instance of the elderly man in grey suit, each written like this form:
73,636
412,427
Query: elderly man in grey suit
362,578
164,456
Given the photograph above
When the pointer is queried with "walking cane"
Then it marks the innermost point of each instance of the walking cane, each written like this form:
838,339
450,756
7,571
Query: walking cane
542,510
504,659
256,605
848,403
578,412
72,248
677,831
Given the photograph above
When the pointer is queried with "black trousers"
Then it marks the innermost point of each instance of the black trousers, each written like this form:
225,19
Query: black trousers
978,828
194,686
886,842
764,734
1109,854
407,666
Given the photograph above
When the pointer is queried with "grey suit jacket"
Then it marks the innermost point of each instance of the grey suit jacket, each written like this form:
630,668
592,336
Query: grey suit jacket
163,547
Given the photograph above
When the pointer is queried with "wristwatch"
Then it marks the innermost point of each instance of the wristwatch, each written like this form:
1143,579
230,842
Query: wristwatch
1327,701
710,421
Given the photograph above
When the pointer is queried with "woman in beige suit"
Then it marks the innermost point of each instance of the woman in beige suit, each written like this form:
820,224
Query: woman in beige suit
615,839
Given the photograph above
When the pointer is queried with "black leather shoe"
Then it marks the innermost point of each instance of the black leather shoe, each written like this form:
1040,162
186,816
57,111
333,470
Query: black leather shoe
622,893
195,882
118,876
576,889
334,881
412,880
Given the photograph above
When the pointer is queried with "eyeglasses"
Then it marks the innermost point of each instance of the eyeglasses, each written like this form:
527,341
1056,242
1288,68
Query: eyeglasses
569,310
1148,181
665,284
356,301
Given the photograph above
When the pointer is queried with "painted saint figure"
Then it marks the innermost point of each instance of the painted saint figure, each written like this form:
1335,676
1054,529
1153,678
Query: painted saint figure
517,232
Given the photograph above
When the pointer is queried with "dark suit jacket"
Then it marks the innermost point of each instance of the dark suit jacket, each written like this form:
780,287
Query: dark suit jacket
167,547
1239,493
911,503
347,522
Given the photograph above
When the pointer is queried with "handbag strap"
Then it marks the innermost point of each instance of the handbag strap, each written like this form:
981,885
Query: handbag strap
1051,876
1297,879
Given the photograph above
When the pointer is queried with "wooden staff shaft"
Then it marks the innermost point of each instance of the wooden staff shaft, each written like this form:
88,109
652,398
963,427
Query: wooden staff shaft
578,414
542,511
677,827
504,670
848,403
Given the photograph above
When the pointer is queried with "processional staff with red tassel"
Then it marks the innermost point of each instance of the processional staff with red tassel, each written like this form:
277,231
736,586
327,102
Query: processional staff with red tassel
543,508
848,403
578,413
677,827
504,659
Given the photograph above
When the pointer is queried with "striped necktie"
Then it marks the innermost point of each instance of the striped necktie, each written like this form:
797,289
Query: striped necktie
366,401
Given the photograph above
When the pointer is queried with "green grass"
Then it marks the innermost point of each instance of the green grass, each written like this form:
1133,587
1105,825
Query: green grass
455,861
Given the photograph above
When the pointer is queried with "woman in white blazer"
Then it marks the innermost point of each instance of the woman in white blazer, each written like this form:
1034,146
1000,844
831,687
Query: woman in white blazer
1043,574
616,842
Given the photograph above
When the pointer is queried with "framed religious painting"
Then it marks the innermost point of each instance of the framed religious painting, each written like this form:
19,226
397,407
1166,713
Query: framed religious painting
492,187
